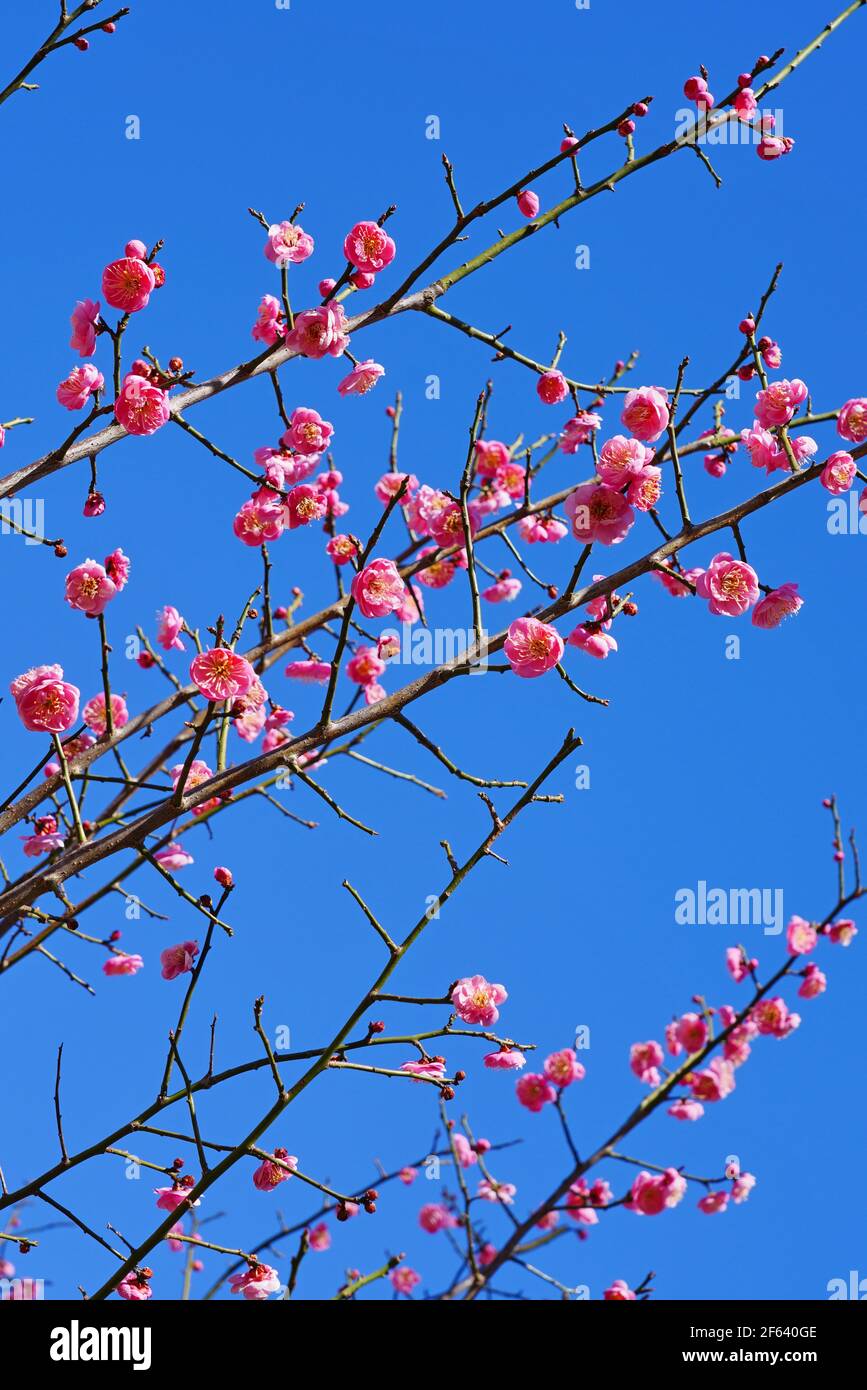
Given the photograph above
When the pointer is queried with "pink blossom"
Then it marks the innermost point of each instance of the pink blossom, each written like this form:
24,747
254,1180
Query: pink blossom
852,420
619,1292
311,672
491,1191
552,387
221,674
730,586
686,1110
772,146
644,1059
341,549
117,567
135,1287
742,1187
713,1202
378,589
532,647
645,413
691,1032
434,1217
505,590
141,407
713,1083
89,589
652,1193
814,982
738,965
528,202
490,455
304,505
745,104
839,472
260,519
256,1282
671,581
801,937
361,379
287,244
534,1092
645,491
170,1198
464,1151
270,323
269,1174
476,1000
433,1069
174,857
320,332
84,320
563,1067
408,1176
94,713
579,430
122,964
507,1059
541,529
128,284
365,666
841,932
170,625
621,459
307,433
771,1017
82,382
369,247
592,640
776,404
404,1280
548,1221
44,701
776,606
598,513
178,960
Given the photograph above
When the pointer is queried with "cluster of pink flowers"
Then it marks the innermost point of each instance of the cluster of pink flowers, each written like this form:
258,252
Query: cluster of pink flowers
560,1069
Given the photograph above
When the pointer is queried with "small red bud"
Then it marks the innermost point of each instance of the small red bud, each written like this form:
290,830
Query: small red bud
60,550
82,44
747,326
626,127
448,1093
115,936
176,364
460,1076
370,1208
376,1026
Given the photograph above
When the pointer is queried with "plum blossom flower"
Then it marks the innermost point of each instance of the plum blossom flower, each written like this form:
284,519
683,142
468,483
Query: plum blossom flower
742,1186
170,1198
119,963
170,625
552,387
45,702
672,582
713,1202
174,857
773,146
319,1237
287,244
592,640
178,960
134,1287
579,430
260,519
378,589
841,932
775,405
619,1292
686,1110
621,459
776,606
644,1059
127,284
142,408
490,455
307,432
311,672
730,586
505,589
45,839
534,1092
532,647
369,247
82,382
652,1193
738,965
89,588
852,420
270,323
304,504
645,413
507,1059
84,320
839,473
361,379
541,530
408,1176
598,513
94,713
221,674
432,1069
563,1067
434,1217
801,937
320,332
476,1000
714,1082
491,1191
814,982
269,1174
256,1282
404,1280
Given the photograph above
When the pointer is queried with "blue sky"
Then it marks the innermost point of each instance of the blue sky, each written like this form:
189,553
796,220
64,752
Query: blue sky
703,768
